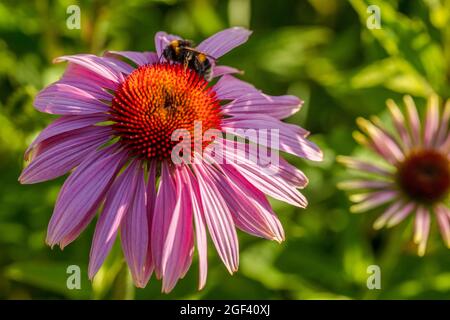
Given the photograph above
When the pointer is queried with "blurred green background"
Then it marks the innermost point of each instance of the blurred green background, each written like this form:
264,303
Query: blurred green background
320,50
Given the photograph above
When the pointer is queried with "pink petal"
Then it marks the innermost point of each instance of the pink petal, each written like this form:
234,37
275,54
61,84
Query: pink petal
178,244
82,194
134,233
251,211
399,123
279,107
218,219
444,132
413,119
224,41
117,204
165,202
65,124
101,66
199,221
291,137
431,122
140,58
443,218
363,166
63,152
66,99
422,229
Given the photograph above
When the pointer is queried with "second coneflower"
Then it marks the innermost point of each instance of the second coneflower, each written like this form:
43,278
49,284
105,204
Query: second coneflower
415,177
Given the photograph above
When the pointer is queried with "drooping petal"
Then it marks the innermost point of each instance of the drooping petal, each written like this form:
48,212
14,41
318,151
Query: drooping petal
384,144
65,99
422,229
118,202
431,121
290,137
82,193
413,120
139,58
165,202
388,213
250,209
178,244
83,78
363,166
224,41
443,218
365,184
400,124
218,219
400,215
372,200
444,130
61,153
134,232
279,107
199,222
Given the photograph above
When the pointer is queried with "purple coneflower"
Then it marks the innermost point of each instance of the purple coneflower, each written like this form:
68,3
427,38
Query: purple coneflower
415,176
118,113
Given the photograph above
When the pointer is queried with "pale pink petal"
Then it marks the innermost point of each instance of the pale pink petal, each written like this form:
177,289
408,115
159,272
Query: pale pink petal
178,244
60,154
199,221
139,58
422,229
82,194
431,121
370,200
218,219
400,124
384,143
365,184
399,216
279,107
381,221
413,119
118,202
444,131
134,232
231,88
165,202
443,218
363,166
65,99
224,41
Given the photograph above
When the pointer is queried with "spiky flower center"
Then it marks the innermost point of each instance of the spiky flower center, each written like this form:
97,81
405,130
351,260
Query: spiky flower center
154,101
424,175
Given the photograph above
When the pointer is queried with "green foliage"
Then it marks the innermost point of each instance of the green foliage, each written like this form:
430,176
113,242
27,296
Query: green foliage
318,50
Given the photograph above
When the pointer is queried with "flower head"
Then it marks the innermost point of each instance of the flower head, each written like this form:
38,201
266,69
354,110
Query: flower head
117,136
415,176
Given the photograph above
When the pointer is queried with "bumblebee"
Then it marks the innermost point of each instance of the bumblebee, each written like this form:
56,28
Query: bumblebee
182,51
